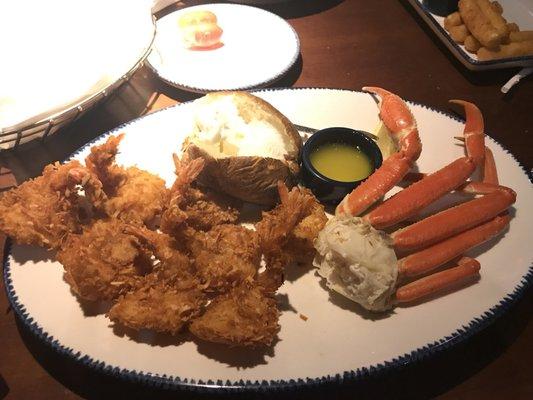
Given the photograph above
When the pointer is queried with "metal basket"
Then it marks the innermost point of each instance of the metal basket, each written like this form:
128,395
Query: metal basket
12,137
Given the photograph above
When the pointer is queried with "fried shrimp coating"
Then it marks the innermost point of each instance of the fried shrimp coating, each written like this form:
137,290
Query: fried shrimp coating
277,224
44,210
103,261
287,232
101,161
225,256
201,271
135,195
158,306
167,298
199,208
166,249
139,199
300,242
174,217
245,316
206,209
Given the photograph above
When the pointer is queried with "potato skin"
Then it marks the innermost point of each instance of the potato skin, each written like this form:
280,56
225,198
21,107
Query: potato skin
252,179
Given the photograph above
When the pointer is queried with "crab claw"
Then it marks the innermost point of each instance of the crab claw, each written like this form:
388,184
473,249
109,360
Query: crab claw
399,121
473,132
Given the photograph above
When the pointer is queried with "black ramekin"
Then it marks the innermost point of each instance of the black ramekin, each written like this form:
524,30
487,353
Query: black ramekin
327,190
442,8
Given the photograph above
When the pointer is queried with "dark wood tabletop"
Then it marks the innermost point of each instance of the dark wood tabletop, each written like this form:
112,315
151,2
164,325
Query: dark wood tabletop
344,44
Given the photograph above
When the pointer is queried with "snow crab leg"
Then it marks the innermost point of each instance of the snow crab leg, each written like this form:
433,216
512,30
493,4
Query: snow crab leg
400,121
454,231
466,270
414,198
490,174
473,134
432,257
454,220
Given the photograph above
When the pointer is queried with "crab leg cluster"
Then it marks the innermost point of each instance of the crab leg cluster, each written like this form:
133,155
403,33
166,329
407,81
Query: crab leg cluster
448,234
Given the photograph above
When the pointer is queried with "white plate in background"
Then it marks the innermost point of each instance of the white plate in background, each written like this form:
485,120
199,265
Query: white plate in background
258,48
57,54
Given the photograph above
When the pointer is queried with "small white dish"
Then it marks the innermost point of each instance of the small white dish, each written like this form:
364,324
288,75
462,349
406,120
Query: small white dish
258,48
517,11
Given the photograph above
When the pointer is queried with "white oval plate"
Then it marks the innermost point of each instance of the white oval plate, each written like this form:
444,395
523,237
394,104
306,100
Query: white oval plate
338,341
258,48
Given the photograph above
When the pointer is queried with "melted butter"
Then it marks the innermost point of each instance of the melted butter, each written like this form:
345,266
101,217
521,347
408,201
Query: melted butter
341,162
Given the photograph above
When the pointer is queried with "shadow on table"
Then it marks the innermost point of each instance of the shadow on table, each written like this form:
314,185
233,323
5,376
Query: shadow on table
283,8
300,8
419,380
478,78
4,389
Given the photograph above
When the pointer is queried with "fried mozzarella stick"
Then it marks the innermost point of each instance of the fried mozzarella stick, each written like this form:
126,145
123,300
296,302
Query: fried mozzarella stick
522,36
472,44
513,49
454,19
478,23
459,33
496,20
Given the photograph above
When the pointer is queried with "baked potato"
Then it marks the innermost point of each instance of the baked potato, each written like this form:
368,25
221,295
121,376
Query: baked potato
247,144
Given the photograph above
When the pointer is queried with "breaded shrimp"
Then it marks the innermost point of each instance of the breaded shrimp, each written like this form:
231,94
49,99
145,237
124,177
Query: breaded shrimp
167,298
103,261
300,243
42,211
276,233
245,316
135,195
199,208
225,256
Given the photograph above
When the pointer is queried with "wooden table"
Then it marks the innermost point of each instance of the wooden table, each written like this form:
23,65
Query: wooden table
344,44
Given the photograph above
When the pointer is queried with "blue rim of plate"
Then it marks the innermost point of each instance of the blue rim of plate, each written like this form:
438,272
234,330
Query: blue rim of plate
219,386
512,61
257,85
